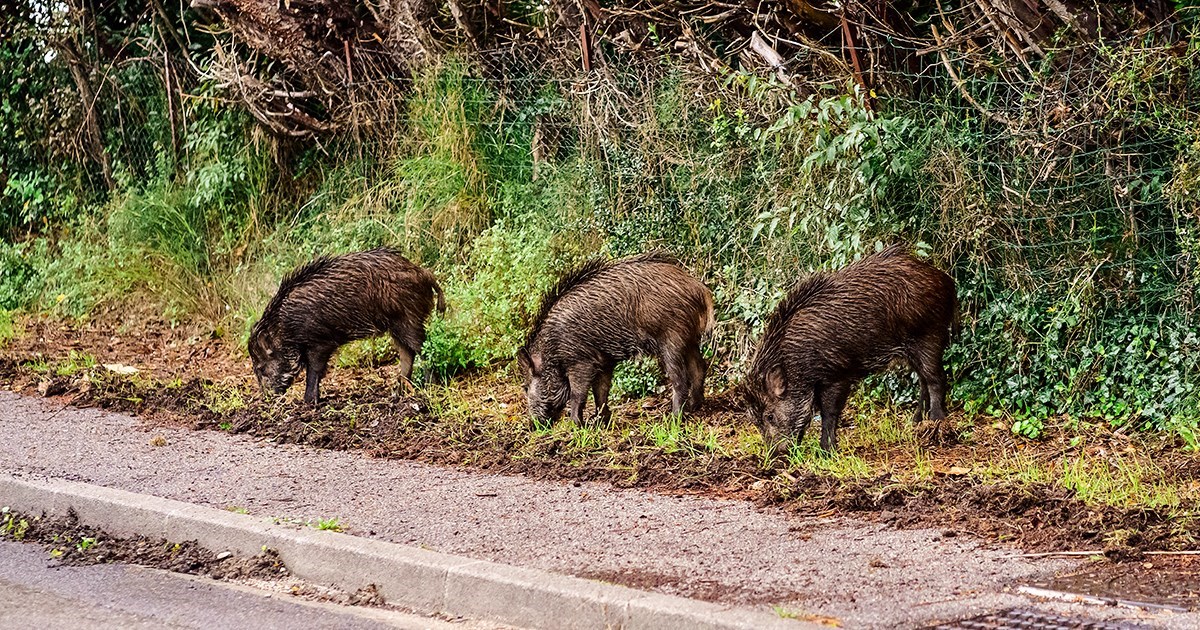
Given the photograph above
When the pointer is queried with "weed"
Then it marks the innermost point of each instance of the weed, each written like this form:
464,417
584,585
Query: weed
8,328
223,399
75,363
787,613
328,524
637,379
808,456
13,525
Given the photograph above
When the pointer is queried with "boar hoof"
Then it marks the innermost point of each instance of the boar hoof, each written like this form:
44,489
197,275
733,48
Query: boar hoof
938,432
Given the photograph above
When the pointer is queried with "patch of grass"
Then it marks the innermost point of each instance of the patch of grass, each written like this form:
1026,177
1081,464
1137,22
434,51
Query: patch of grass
365,353
8,327
223,399
584,438
879,426
808,456
12,524
682,435
328,524
74,363
1119,481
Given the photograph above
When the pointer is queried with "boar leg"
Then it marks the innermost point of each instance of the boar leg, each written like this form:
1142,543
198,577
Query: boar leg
600,388
580,383
927,361
406,364
675,364
923,403
831,398
937,393
316,361
408,343
696,372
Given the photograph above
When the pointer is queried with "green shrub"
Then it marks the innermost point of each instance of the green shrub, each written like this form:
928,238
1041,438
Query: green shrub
19,278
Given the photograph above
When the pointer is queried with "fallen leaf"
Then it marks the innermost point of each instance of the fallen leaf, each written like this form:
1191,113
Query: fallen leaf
118,368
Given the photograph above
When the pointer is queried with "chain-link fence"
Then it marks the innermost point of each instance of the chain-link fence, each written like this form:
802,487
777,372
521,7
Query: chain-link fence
1060,196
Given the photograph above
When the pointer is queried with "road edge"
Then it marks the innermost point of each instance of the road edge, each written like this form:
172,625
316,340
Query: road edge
418,579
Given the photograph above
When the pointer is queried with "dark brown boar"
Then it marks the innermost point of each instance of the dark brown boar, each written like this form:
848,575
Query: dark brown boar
606,312
833,329
332,301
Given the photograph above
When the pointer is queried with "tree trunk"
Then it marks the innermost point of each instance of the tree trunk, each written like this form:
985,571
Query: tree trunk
93,138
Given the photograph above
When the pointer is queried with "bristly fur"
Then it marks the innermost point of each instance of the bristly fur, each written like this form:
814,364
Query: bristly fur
294,278
582,274
808,290
306,272
805,292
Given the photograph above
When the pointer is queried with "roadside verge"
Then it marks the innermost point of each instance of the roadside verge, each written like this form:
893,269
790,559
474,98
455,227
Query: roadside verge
419,579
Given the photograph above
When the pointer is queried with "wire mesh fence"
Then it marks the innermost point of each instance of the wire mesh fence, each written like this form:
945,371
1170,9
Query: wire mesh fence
1058,195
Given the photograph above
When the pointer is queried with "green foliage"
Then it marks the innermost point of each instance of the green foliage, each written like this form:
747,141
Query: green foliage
637,379
18,277
445,352
7,327
1076,269
12,524
328,524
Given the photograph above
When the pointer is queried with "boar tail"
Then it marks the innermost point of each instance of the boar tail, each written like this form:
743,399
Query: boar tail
441,298
707,320
437,291
955,322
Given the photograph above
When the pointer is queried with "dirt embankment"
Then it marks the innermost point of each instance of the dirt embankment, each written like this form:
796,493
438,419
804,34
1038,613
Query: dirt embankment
195,382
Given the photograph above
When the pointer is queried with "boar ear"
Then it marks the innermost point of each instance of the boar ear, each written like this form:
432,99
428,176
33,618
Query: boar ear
523,359
529,362
775,383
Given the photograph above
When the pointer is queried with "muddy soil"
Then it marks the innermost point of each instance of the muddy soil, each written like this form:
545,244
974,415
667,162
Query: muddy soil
184,378
1158,581
71,543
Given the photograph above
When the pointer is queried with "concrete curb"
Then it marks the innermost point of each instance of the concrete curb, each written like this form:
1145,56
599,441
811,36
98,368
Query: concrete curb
418,579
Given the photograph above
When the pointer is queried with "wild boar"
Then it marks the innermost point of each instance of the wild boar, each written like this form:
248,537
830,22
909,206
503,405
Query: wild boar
332,301
834,329
606,312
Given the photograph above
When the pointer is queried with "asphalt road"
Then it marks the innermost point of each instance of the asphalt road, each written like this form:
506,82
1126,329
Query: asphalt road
866,575
35,594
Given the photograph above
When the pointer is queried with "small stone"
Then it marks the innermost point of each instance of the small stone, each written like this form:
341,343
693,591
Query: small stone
124,370
949,533
224,554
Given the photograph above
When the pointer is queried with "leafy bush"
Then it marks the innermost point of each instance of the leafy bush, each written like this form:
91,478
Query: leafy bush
18,277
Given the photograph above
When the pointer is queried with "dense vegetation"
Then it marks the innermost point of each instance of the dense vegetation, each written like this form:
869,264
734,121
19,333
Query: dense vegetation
153,157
